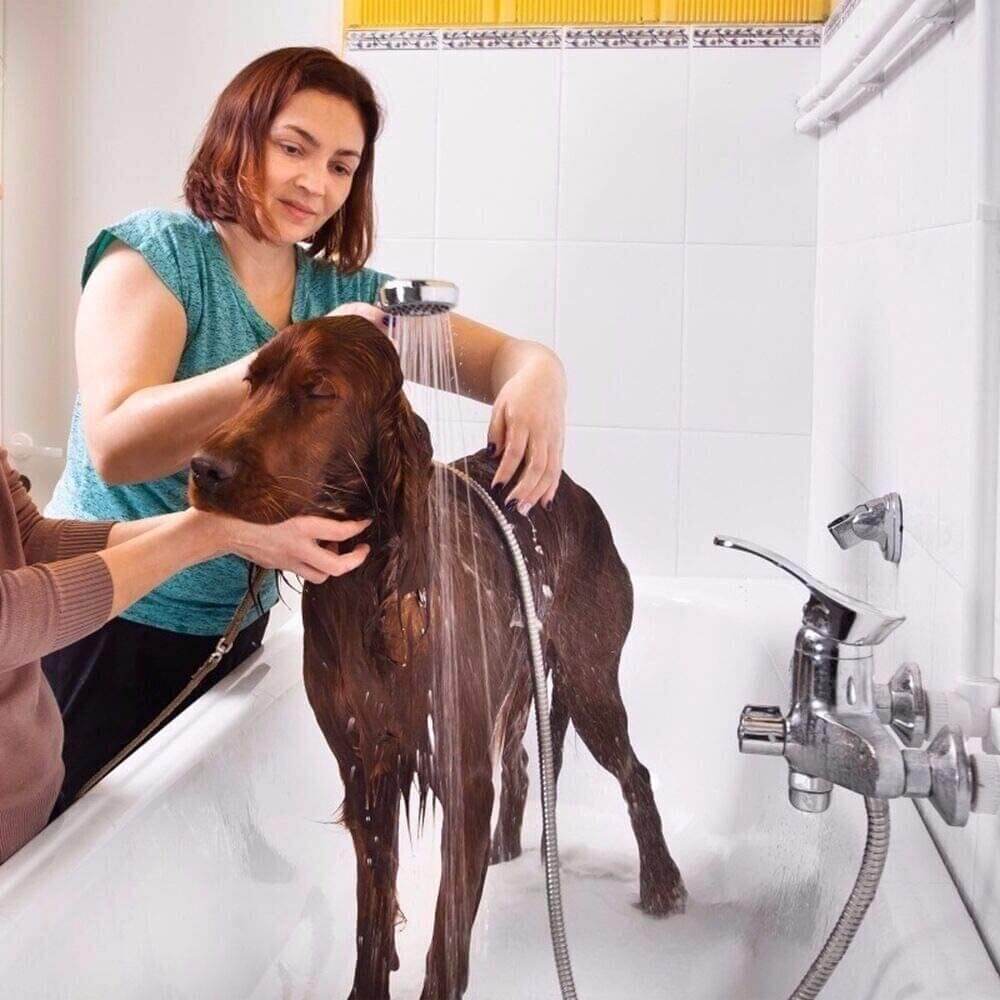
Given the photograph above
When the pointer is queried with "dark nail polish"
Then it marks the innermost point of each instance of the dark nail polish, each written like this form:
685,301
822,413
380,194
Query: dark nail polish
385,320
491,449
510,505
548,506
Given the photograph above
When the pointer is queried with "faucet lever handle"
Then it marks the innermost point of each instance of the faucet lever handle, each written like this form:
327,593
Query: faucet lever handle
832,613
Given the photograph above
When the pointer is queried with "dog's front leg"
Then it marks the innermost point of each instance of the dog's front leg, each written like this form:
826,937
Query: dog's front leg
374,826
465,850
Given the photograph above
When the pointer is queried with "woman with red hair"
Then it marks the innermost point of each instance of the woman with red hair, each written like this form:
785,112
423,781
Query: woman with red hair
175,306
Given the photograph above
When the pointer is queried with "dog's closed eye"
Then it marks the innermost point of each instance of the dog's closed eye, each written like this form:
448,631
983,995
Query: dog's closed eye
321,390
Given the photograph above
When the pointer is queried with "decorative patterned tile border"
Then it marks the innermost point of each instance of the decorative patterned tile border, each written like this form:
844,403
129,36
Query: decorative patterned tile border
502,38
836,20
631,37
396,39
626,38
756,37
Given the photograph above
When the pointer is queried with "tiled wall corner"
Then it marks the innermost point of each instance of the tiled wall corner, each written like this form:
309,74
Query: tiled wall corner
897,358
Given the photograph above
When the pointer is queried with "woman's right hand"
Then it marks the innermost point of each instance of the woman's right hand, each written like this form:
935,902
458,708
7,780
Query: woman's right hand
294,545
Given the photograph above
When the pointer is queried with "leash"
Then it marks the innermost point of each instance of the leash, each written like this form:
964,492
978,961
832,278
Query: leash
223,646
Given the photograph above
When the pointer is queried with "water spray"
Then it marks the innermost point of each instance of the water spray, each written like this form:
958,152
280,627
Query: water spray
405,298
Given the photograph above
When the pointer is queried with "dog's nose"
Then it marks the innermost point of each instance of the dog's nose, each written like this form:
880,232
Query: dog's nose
212,472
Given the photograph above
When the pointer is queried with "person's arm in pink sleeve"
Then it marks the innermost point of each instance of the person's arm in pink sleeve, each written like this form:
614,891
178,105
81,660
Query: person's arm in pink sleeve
45,607
47,539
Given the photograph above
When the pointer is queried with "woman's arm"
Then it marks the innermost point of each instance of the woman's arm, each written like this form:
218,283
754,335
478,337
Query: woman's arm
487,359
526,384
140,560
47,539
130,332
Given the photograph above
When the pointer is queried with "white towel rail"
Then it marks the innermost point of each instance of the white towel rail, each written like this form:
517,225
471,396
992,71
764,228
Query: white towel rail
899,26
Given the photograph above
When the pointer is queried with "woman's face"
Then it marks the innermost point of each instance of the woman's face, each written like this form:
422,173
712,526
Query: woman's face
312,152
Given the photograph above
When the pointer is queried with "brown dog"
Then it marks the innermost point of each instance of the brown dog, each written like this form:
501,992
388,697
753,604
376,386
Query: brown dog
414,671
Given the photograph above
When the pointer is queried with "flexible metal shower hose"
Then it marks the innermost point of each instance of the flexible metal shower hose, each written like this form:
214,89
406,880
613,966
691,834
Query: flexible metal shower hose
872,861
553,890
872,864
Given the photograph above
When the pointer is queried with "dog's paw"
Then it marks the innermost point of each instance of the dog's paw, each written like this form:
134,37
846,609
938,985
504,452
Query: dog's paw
501,852
663,900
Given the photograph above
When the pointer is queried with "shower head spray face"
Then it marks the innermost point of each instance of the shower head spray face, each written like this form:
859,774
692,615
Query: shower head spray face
417,297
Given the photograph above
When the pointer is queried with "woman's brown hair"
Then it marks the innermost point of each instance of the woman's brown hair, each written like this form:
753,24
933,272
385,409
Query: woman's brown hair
225,179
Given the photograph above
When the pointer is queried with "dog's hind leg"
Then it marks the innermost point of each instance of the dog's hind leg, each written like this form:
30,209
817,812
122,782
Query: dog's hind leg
558,721
599,716
374,826
514,778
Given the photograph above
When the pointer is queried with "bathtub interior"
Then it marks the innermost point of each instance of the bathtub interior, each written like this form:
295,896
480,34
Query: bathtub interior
207,865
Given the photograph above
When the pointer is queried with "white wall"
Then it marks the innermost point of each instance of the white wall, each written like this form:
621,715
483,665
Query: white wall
898,364
103,104
649,213
646,211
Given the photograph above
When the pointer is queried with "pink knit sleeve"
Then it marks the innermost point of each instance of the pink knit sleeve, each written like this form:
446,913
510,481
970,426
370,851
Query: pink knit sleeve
48,606
47,539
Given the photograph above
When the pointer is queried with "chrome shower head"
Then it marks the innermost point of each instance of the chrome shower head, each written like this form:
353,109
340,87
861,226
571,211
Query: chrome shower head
417,297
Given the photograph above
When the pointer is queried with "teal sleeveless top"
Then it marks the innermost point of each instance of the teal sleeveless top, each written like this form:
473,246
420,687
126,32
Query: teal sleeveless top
222,326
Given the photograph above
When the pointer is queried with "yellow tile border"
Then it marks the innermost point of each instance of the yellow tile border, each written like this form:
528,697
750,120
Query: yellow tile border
361,14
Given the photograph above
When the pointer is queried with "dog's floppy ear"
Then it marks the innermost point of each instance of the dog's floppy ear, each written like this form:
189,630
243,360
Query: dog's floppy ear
403,453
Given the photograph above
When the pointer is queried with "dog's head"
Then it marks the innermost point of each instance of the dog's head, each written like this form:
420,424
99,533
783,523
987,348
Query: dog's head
326,429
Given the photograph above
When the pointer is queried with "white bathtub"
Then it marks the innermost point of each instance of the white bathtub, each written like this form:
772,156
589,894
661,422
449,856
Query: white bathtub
205,867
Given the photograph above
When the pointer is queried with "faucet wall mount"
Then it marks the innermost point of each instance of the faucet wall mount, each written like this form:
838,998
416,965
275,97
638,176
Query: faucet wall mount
879,521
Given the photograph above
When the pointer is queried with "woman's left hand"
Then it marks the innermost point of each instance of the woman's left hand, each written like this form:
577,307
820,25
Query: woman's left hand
529,424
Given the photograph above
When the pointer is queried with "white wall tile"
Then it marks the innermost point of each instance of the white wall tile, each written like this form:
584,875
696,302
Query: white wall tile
930,108
960,364
621,166
405,162
404,258
509,285
456,439
753,486
852,358
748,339
751,176
916,597
632,475
862,146
498,144
619,332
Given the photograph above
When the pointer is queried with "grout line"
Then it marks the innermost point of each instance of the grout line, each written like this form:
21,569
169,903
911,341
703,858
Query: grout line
683,307
559,142
611,243
895,235
437,152
625,429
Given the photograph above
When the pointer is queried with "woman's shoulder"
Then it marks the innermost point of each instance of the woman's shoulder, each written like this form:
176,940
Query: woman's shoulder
164,224
336,287
174,244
